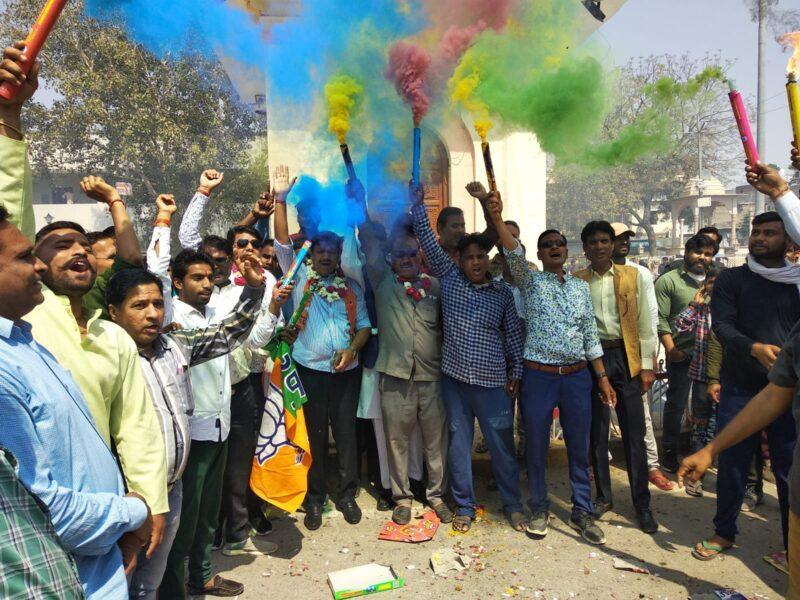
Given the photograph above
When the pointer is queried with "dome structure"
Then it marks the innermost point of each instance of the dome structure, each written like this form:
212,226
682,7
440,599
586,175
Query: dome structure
707,186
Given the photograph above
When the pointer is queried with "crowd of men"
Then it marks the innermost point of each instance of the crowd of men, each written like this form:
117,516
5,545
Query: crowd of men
132,394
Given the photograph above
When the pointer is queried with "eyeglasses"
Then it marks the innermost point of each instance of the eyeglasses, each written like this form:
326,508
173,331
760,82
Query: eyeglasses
243,243
552,244
404,254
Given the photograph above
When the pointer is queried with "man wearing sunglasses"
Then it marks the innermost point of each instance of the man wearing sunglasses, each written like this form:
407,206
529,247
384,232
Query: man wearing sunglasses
561,340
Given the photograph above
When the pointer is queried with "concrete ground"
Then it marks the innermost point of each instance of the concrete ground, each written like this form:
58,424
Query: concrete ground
508,564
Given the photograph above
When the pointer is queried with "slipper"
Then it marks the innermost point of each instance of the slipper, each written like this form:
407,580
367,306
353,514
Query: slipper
518,521
462,523
710,546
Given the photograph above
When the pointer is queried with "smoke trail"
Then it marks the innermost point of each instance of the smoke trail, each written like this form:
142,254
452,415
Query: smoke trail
326,205
792,40
185,26
342,94
408,71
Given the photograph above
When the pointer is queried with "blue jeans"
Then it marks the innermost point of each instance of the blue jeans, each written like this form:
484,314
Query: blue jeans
147,576
495,413
541,393
735,464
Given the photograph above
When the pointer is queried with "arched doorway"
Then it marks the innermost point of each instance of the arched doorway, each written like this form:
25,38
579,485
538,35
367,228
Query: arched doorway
388,169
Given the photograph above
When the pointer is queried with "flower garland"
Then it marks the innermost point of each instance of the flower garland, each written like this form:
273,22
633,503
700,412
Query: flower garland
417,289
336,290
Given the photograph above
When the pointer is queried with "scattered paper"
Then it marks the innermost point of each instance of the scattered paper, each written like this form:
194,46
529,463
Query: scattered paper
630,565
446,560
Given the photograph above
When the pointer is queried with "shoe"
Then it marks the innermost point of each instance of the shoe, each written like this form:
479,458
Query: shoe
384,504
262,526
601,507
670,463
218,586
351,512
313,519
658,479
752,498
584,524
537,526
248,548
647,522
767,473
693,488
443,512
219,540
401,514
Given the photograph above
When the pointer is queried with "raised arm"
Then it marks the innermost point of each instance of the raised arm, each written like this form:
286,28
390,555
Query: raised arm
510,246
128,248
373,243
16,182
189,233
259,215
204,344
768,180
440,262
159,250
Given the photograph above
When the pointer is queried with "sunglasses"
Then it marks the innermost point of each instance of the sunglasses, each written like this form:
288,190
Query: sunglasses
552,244
243,243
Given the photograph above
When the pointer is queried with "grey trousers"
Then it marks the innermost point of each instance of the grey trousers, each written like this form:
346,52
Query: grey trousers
405,404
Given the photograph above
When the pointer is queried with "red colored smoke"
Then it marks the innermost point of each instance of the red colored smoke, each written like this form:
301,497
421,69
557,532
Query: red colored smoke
408,70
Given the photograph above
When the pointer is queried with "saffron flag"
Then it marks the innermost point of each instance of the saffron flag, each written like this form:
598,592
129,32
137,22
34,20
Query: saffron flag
283,453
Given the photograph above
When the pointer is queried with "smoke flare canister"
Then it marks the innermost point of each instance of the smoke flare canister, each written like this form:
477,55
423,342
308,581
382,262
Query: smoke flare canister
34,42
298,260
487,161
348,161
793,91
300,308
417,153
742,122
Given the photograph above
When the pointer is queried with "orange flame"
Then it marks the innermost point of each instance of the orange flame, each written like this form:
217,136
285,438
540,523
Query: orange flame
792,40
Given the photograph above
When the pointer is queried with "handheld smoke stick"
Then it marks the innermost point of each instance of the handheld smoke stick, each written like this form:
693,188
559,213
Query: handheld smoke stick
487,161
743,123
34,42
416,157
793,91
298,260
348,161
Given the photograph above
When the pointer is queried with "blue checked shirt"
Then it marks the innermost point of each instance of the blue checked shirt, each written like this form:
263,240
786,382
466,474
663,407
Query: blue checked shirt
482,331
559,316
64,460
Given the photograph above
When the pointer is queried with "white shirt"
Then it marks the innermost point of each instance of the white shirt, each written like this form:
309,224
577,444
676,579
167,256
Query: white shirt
788,207
649,290
211,380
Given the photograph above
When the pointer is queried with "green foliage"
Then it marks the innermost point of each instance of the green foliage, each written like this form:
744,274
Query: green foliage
685,97
116,110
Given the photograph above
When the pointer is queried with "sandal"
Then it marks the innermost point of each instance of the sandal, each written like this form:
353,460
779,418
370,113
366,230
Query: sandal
518,521
462,523
715,549
443,512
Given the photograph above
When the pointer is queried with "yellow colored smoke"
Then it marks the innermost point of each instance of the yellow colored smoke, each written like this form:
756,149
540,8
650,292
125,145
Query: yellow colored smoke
792,40
463,86
342,94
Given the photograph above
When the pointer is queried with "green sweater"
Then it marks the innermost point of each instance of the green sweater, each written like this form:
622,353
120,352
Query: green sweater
674,291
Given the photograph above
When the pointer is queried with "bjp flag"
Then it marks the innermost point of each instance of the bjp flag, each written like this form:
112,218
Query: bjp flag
283,452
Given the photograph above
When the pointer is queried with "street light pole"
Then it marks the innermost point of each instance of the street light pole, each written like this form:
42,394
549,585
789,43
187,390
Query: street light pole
760,126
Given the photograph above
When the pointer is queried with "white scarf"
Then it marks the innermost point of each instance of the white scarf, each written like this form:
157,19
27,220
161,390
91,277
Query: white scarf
790,273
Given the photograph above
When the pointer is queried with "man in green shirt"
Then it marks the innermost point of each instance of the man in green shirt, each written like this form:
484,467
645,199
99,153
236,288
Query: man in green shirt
674,292
102,358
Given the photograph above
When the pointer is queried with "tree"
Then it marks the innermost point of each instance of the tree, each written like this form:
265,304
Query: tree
577,194
124,113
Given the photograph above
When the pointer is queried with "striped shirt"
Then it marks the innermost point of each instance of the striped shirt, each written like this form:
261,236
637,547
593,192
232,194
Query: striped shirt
327,329
482,331
166,371
35,565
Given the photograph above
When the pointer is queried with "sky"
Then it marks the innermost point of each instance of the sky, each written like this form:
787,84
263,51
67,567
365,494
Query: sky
698,27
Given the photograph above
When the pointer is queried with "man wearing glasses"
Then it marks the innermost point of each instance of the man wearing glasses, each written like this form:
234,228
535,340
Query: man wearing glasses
561,340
